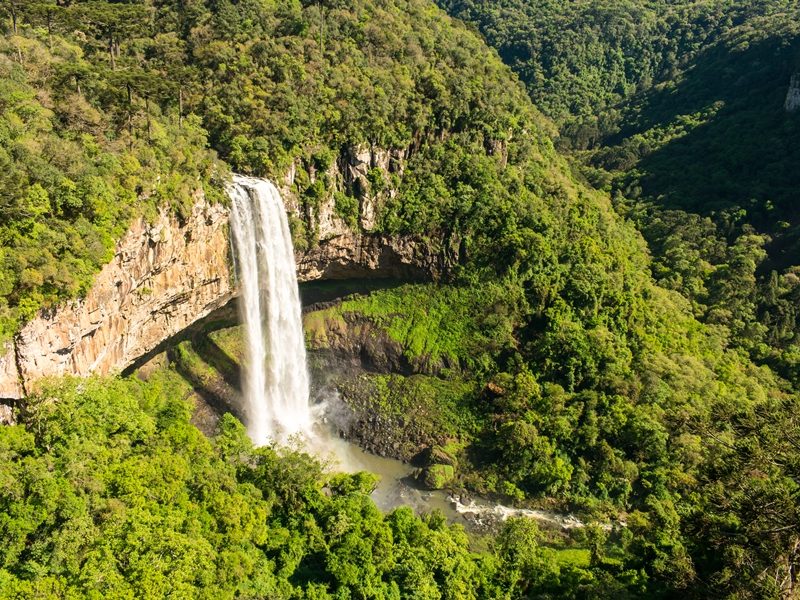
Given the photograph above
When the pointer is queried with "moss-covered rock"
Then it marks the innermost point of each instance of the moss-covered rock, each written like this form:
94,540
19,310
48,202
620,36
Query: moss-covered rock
436,477
437,455
403,417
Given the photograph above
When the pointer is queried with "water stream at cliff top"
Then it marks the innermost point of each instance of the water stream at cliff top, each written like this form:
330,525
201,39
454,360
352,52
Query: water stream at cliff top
275,382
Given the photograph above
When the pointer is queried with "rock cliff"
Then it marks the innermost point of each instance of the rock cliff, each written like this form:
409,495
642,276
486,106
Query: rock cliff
354,255
367,174
167,275
793,95
10,385
163,277
341,339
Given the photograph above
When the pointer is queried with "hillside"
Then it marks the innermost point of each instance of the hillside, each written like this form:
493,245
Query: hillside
677,109
551,363
107,105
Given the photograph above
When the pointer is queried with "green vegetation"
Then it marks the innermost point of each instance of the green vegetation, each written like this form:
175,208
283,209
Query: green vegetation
439,476
109,492
555,367
649,418
437,326
73,176
415,412
676,109
109,110
581,60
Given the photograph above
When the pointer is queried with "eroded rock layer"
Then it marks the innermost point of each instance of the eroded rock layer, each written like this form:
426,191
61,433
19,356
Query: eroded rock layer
168,275
163,277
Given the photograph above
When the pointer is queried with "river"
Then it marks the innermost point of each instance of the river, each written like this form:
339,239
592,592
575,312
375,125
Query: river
397,487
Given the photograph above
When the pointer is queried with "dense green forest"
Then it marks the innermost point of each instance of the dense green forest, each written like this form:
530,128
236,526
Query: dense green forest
110,492
111,107
570,366
676,109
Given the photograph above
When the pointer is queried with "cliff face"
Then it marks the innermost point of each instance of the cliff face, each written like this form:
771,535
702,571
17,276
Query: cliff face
10,385
348,174
793,95
166,276
352,256
343,340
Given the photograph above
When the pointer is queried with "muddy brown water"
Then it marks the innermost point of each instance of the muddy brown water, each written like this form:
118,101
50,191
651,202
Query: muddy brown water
397,487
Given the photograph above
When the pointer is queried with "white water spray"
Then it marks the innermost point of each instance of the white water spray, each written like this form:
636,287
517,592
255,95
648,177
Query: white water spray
275,381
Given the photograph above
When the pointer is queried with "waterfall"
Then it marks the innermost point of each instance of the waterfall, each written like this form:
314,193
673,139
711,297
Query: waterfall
275,377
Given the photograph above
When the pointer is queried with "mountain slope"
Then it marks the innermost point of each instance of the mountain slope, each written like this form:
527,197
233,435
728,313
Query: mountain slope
615,399
677,109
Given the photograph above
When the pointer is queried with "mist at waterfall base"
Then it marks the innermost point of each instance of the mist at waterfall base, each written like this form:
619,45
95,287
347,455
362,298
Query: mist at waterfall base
276,391
276,406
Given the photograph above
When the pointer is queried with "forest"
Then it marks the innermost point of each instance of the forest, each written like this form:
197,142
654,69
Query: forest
644,90
618,338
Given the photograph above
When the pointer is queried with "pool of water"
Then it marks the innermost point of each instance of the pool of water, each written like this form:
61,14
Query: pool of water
397,486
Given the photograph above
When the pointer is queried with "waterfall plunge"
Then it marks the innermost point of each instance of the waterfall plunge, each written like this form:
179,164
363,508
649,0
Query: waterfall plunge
275,381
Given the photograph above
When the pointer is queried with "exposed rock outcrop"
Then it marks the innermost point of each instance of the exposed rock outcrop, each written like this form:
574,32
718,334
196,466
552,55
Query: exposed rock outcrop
6,415
342,338
354,255
163,277
793,95
357,165
377,393
10,384
366,173
168,275
362,416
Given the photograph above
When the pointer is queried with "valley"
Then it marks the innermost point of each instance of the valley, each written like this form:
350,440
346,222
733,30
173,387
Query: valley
539,256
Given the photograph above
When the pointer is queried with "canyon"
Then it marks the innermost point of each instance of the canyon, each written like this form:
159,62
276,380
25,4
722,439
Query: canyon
169,274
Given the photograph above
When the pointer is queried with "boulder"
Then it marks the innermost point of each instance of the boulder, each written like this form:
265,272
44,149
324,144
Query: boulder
437,477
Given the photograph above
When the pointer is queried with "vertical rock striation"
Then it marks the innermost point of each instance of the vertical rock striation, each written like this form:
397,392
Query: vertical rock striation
793,95
163,277
10,384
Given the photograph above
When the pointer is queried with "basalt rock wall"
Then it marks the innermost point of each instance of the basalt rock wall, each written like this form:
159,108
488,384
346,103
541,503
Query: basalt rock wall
163,277
166,276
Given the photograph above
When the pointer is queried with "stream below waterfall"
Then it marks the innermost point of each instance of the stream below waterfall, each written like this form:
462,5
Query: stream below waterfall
397,487
275,376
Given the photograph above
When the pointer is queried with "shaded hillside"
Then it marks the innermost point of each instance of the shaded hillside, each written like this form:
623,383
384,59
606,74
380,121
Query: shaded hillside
676,108
581,60
717,140
717,144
